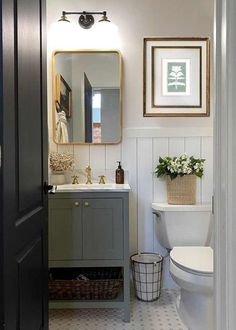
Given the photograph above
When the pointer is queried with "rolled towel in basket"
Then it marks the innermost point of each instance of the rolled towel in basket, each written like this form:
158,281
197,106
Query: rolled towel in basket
81,277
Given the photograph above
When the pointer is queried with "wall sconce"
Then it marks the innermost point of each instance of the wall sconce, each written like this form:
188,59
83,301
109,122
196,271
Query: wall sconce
86,18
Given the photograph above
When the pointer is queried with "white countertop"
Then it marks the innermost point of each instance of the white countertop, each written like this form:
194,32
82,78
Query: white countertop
95,187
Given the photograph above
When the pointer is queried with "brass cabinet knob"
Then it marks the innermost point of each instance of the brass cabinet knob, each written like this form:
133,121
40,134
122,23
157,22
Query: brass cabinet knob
86,204
77,204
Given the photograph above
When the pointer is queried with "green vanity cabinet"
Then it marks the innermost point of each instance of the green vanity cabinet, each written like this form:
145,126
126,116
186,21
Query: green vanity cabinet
65,229
102,229
85,229
90,229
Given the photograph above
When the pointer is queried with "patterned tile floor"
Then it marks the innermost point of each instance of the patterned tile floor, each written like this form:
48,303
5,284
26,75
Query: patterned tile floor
158,315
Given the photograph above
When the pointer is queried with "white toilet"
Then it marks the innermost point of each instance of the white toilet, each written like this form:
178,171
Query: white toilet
186,230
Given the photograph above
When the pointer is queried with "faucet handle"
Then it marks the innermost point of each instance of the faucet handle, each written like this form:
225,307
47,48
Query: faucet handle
102,179
88,169
75,179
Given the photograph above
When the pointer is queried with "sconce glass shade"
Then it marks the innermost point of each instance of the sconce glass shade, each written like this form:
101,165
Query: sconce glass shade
104,19
64,19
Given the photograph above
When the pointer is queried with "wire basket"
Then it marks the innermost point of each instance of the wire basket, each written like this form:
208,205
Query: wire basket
147,275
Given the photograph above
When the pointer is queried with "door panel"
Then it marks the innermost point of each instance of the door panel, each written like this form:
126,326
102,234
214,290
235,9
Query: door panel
23,138
88,95
29,105
65,230
30,286
102,229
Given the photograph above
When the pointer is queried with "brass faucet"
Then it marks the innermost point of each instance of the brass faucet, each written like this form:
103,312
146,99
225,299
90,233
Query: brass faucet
102,179
75,179
88,170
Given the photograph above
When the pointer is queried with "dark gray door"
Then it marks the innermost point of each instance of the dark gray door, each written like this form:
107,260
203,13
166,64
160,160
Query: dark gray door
23,138
88,95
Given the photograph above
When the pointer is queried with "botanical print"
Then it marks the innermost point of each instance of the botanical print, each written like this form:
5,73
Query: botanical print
176,77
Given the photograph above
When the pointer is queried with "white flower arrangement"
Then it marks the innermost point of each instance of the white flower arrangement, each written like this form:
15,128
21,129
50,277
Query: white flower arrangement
180,166
60,162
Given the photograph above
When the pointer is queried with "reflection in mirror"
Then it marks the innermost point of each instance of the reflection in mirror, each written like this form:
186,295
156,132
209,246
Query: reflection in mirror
87,97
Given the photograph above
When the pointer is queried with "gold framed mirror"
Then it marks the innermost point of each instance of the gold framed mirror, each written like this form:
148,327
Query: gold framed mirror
87,97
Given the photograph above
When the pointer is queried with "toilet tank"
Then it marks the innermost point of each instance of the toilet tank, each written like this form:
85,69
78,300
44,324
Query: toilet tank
183,225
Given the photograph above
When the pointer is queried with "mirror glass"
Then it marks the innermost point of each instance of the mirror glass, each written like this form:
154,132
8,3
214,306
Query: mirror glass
87,97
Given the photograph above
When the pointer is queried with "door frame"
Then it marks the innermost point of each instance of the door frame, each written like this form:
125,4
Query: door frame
224,164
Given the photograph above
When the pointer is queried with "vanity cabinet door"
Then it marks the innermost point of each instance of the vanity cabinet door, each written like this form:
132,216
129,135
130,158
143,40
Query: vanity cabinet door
103,229
65,229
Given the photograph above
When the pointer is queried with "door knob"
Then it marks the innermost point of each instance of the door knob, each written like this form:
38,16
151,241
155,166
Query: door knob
86,204
77,204
48,189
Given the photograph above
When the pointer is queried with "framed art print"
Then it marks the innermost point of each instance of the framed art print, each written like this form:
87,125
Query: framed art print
63,95
176,77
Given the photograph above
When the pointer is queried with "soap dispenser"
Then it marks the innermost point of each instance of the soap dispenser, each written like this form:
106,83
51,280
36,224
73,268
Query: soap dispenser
119,174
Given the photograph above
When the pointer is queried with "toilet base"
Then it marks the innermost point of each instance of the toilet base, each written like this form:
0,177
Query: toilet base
195,310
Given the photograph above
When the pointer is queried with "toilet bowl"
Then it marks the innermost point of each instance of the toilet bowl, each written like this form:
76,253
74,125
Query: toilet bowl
191,267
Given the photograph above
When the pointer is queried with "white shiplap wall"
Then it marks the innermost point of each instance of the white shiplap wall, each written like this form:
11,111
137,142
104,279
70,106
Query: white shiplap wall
141,150
139,153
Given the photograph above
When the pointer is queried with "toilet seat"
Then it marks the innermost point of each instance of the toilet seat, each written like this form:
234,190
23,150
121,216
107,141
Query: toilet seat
197,260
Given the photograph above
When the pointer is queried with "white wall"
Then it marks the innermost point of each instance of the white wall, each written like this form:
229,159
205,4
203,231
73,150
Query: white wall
139,151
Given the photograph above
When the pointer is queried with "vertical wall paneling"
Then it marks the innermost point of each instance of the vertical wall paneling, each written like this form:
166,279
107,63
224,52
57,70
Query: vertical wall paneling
145,194
81,156
176,146
97,157
52,146
207,180
129,156
113,154
65,148
160,148
193,148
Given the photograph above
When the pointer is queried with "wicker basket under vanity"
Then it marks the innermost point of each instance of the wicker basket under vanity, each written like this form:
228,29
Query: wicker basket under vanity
94,284
182,190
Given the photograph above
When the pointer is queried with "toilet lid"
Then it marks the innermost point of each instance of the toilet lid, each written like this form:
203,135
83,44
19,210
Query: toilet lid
197,259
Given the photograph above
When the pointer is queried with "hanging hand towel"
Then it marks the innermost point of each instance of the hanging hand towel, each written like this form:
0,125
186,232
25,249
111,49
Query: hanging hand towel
62,131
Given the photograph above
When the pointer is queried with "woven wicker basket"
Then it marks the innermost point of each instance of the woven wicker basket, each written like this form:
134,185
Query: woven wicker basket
182,190
102,285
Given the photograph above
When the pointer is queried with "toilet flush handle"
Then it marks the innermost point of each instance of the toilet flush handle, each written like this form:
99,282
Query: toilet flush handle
157,213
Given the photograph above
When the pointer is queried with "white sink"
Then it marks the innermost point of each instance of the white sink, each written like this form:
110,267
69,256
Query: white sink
93,187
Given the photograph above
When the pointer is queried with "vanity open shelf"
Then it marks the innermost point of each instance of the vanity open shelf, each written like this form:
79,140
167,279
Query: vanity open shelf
91,229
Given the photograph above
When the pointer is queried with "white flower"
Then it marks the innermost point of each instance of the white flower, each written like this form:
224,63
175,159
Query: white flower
176,68
182,165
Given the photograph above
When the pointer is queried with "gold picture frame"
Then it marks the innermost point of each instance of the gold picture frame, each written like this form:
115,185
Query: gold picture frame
176,77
